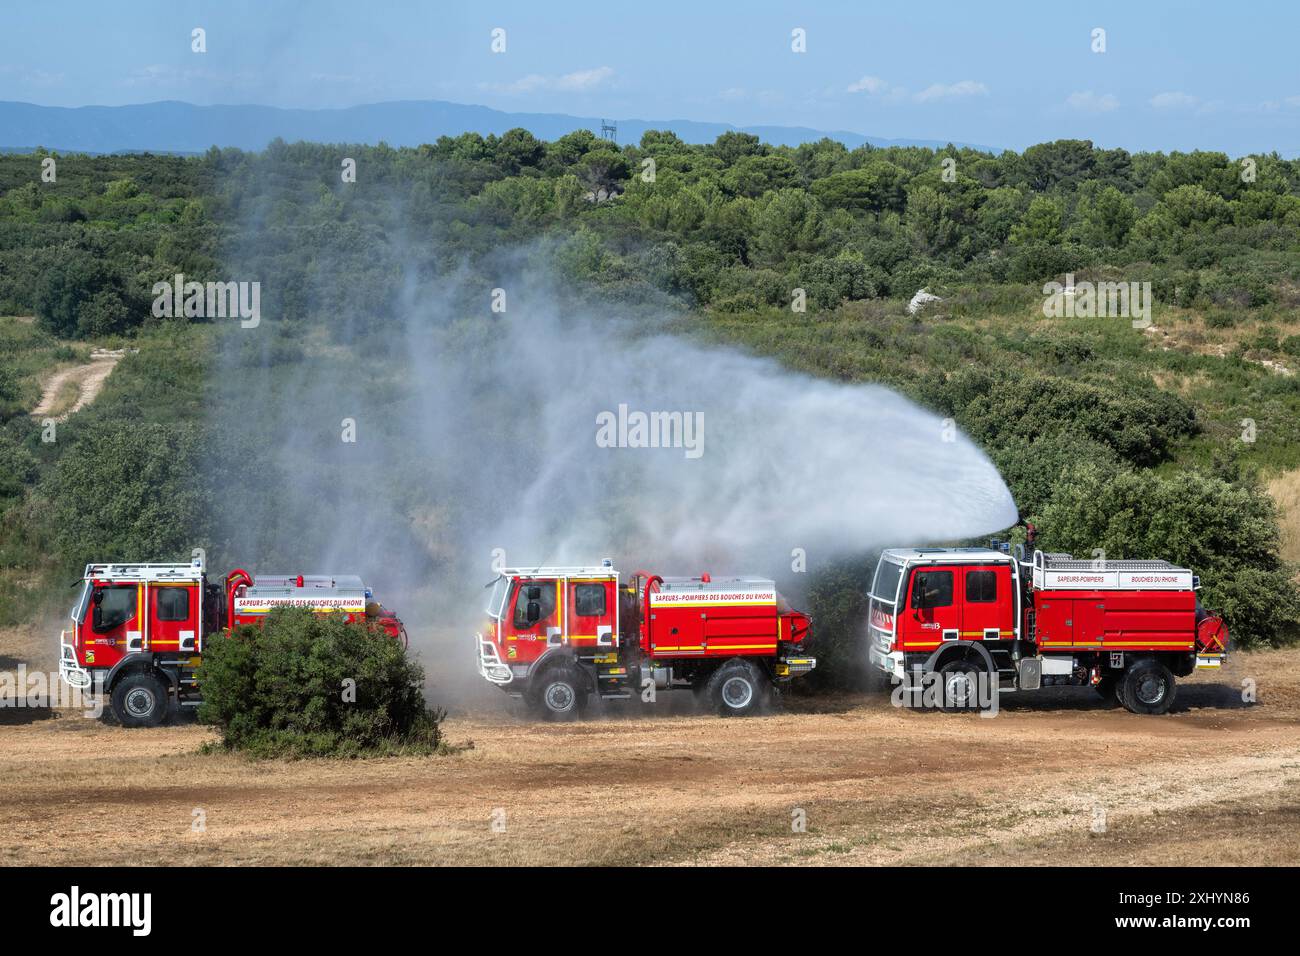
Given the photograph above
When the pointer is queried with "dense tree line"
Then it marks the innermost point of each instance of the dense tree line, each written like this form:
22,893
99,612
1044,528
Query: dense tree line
733,225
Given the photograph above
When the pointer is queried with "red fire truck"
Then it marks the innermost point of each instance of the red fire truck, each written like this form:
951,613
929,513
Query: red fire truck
1127,628
557,635
137,630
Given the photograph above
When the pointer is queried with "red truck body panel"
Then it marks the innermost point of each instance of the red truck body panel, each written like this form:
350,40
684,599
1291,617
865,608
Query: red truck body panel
1116,620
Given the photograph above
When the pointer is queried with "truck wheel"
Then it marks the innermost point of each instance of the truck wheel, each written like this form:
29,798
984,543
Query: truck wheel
959,681
737,689
561,694
139,700
1148,687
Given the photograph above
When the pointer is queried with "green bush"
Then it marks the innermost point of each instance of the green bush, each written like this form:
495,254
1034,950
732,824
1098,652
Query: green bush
128,492
310,685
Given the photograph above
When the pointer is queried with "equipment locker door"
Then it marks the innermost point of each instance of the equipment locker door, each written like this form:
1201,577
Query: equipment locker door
1089,620
1054,621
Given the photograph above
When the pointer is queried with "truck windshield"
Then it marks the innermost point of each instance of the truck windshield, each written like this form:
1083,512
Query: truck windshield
885,585
498,599
78,612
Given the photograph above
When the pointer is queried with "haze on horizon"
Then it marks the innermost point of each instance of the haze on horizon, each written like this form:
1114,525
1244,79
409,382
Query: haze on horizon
1172,76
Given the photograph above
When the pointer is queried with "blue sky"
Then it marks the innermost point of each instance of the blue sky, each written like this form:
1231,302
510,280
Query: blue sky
1173,75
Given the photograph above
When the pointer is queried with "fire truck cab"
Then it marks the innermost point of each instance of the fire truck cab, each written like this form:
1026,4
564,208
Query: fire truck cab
137,631
1127,628
556,636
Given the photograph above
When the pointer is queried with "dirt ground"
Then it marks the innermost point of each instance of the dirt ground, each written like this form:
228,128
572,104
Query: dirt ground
1056,777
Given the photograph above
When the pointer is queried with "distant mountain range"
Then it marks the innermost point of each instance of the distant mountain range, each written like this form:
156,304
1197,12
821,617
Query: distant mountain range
175,127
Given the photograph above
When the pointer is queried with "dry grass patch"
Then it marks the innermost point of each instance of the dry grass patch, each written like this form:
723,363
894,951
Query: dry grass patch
1285,489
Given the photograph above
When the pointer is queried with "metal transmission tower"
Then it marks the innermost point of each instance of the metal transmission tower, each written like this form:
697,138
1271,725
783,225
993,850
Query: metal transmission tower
609,130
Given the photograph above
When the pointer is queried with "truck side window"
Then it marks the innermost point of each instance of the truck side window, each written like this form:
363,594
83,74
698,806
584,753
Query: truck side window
589,600
981,587
542,595
113,607
931,589
173,604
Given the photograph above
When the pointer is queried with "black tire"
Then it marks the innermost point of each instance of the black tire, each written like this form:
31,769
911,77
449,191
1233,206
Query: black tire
1148,687
958,684
140,700
1108,689
738,689
560,693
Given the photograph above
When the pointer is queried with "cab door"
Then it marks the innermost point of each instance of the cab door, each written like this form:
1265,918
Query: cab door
988,605
112,628
591,609
533,620
933,611
173,617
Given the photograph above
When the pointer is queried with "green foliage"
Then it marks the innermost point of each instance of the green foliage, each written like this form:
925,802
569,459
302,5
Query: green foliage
128,494
310,685
1042,223
1138,424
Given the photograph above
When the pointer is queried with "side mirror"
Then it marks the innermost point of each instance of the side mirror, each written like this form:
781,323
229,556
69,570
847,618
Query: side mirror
534,612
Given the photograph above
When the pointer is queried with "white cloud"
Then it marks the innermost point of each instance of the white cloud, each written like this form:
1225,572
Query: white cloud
1090,102
734,93
941,91
580,81
1174,101
871,85
585,79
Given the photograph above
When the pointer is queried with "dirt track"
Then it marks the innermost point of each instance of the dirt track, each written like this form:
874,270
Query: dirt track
1216,782
88,379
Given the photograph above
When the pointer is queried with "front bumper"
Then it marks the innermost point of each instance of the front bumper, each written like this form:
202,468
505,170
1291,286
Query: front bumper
890,662
72,673
490,666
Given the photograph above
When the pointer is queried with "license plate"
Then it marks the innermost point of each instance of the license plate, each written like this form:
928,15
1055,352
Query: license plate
1209,660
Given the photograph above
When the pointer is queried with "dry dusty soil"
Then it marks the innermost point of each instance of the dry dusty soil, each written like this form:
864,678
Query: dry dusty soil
1056,777
88,379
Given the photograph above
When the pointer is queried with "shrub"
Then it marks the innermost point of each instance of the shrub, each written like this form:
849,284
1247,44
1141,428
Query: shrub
310,685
